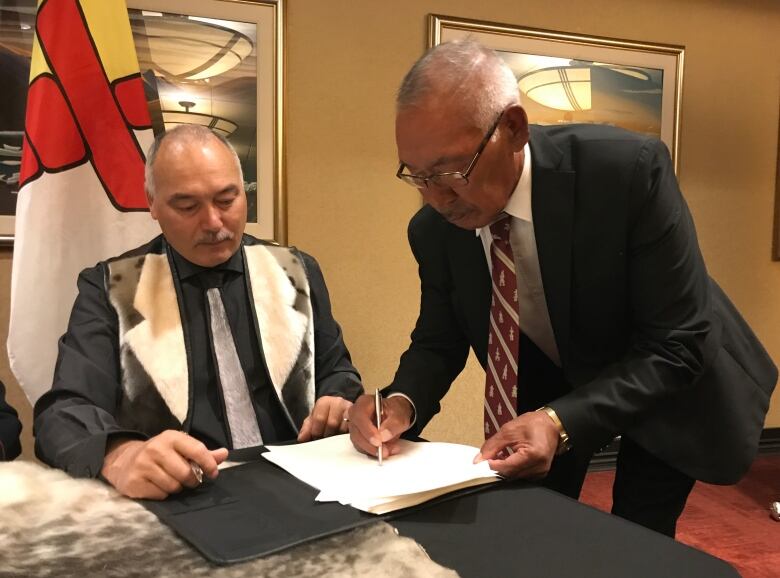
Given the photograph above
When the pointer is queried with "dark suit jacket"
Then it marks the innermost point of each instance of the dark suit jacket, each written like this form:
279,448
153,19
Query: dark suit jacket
649,343
10,428
73,420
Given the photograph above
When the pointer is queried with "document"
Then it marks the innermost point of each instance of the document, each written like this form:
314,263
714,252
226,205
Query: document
419,472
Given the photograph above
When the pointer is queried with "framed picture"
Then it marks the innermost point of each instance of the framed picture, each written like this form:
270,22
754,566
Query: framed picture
217,63
17,21
572,78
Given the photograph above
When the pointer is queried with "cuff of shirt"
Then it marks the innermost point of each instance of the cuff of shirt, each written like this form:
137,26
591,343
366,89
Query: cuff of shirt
406,397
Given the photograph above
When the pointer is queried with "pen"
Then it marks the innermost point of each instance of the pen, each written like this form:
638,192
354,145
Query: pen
197,471
378,408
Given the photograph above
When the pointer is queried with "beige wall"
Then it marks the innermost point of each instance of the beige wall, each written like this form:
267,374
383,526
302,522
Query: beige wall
344,61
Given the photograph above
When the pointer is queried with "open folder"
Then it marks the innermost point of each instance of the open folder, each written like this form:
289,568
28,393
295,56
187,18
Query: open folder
420,472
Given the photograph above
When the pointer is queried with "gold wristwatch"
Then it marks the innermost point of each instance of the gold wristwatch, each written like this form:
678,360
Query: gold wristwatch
564,445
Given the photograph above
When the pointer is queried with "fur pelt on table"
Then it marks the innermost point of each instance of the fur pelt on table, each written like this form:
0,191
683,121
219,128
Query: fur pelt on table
54,525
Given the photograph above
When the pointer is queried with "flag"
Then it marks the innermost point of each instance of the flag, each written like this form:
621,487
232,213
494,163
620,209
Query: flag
81,196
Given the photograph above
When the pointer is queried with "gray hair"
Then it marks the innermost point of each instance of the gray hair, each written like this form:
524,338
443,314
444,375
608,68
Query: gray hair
464,71
182,133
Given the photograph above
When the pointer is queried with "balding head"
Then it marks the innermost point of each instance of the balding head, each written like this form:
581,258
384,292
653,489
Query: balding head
182,135
462,74
458,114
196,193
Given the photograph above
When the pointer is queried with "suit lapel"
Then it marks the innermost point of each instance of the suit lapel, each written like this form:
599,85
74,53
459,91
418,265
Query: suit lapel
552,203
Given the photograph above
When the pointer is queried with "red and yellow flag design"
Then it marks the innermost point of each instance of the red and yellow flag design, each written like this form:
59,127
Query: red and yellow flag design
81,198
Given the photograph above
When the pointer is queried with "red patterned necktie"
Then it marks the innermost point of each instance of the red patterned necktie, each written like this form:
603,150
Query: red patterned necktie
504,333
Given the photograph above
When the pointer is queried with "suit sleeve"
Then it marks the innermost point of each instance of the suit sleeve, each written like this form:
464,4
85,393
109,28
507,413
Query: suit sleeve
10,428
334,373
438,349
73,420
669,312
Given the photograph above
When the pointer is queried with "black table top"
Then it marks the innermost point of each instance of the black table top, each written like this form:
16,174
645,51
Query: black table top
505,529
523,530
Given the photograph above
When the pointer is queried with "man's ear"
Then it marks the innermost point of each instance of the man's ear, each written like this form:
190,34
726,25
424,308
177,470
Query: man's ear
152,210
516,122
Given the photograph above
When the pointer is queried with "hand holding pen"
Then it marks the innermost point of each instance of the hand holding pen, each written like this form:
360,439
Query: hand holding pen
378,411
377,432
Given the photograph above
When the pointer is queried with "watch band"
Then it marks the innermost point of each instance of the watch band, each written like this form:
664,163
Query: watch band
564,444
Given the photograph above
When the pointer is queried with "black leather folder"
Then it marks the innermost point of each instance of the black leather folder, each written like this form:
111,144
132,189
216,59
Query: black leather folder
253,510
257,509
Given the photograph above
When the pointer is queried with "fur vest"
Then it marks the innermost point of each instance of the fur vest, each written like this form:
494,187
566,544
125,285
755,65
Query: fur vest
153,344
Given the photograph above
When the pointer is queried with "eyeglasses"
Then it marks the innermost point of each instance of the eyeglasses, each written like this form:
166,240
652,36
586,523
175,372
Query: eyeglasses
453,179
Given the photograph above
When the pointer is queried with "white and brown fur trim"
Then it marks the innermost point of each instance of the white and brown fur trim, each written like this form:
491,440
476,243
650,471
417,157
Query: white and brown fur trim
154,358
282,305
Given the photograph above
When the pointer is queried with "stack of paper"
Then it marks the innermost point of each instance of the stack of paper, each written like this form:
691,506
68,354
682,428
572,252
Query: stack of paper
418,473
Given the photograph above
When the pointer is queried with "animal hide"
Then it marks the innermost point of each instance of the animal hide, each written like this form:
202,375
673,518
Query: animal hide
54,525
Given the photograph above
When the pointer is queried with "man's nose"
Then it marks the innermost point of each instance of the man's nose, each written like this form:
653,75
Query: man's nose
212,218
438,196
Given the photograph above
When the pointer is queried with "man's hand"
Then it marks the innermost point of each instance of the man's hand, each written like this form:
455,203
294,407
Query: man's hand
328,417
533,437
396,419
160,466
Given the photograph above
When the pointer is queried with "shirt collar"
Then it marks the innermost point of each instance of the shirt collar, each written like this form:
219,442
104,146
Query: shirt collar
519,203
187,269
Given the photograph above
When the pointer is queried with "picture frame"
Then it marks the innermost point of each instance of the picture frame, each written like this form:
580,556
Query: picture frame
565,77
179,58
236,88
17,21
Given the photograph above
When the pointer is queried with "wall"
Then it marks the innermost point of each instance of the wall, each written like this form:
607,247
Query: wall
345,59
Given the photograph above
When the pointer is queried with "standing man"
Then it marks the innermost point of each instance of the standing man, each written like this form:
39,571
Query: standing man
566,258
203,339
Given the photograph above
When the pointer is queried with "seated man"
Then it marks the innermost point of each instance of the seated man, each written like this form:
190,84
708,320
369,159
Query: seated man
150,387
10,428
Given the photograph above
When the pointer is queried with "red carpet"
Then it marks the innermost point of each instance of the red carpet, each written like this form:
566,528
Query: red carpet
730,522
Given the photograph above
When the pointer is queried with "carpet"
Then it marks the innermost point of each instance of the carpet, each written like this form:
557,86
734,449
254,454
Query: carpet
730,522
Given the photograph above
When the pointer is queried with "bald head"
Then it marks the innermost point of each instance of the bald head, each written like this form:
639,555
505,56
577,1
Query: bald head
196,194
463,75
182,135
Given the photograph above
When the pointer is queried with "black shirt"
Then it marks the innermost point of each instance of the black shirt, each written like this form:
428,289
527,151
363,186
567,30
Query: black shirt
207,422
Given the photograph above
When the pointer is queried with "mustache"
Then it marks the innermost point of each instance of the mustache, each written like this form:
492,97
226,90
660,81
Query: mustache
217,237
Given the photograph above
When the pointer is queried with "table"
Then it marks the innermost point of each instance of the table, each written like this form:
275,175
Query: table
53,525
523,530
505,529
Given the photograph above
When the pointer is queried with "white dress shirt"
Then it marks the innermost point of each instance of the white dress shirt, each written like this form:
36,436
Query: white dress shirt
532,305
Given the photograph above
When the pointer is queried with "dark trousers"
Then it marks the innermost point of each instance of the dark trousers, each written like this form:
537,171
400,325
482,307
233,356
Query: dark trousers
646,490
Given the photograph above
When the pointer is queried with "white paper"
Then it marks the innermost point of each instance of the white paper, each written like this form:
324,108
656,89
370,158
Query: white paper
343,474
